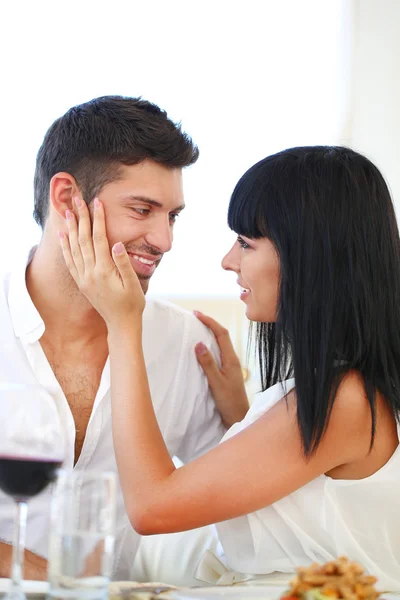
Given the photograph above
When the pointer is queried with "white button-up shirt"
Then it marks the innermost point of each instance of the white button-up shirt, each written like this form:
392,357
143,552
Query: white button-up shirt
183,404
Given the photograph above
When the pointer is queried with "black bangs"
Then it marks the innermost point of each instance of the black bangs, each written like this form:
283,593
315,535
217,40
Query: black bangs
247,206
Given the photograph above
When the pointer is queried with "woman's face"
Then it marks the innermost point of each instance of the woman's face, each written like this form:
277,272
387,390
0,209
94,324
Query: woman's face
256,263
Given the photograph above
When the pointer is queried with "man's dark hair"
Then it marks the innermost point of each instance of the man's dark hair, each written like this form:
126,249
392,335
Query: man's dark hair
92,140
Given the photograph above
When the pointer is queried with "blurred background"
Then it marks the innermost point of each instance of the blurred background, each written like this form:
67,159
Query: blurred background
246,79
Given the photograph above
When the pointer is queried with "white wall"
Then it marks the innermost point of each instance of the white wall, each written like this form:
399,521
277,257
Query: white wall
246,79
374,124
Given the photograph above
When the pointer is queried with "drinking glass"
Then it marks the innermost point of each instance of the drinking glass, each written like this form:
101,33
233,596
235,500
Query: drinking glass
31,451
82,535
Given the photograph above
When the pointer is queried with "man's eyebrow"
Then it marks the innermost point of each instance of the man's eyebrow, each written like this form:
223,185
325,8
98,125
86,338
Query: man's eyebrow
152,202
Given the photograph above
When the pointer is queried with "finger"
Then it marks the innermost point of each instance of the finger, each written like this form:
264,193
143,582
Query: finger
123,264
74,243
208,364
228,354
100,241
66,250
85,233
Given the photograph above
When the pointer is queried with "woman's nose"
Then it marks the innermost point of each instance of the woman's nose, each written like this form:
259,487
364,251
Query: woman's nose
231,261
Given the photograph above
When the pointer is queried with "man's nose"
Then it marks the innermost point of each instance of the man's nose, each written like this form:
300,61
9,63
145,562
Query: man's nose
231,261
160,236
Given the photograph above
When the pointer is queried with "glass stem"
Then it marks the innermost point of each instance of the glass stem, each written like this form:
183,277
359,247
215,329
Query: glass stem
17,568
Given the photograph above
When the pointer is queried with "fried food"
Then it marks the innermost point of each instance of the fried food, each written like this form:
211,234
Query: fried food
339,578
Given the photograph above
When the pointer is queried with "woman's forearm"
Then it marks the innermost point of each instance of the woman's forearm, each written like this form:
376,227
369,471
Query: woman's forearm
144,463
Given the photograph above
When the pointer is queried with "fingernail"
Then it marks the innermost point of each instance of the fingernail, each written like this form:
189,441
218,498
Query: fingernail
78,201
96,203
61,234
118,248
197,312
200,348
69,215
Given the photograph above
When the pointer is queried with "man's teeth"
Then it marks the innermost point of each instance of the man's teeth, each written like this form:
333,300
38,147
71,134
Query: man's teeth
143,260
244,290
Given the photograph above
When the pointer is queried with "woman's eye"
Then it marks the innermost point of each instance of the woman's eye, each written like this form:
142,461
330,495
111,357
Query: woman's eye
242,243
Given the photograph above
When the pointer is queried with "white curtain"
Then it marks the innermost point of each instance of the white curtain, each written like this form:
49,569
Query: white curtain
245,78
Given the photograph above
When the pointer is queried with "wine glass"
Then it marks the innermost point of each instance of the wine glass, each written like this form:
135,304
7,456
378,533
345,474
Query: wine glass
31,451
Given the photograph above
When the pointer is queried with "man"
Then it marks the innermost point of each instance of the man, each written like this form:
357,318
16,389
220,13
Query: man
130,155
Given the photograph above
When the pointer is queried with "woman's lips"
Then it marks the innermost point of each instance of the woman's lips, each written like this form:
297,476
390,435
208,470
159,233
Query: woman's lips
244,292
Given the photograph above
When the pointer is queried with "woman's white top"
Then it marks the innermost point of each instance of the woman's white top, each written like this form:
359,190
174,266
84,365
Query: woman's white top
322,520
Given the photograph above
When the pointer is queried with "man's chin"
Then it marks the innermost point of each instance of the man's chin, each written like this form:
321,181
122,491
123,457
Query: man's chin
144,278
144,282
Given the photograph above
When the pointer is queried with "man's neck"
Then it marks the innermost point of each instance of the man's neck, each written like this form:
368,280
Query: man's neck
68,316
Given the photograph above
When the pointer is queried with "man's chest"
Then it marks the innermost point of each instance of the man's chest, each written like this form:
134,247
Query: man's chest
81,390
80,384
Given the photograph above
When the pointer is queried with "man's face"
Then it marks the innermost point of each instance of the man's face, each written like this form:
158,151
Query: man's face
141,209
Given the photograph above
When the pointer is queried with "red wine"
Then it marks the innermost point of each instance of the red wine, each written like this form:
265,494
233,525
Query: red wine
22,478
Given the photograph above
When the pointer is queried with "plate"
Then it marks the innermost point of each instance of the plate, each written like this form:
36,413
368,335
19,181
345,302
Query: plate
235,592
239,592
33,588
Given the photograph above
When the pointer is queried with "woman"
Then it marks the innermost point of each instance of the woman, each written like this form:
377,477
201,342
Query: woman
313,471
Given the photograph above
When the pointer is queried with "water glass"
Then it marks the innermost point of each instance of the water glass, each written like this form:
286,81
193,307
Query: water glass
82,535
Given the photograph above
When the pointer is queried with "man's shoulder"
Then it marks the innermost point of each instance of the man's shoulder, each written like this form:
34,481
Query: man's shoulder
5,276
177,320
9,274
164,309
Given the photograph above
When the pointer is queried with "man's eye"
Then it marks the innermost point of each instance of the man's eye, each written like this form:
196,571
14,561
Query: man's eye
142,211
173,217
242,243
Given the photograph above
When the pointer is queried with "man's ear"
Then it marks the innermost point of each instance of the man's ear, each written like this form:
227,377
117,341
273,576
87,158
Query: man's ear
63,190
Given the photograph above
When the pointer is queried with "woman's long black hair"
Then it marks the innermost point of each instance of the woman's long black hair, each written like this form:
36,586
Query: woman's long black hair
329,213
